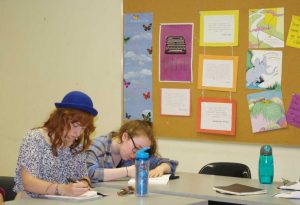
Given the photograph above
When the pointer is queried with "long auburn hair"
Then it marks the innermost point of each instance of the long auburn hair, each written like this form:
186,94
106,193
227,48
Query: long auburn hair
59,124
136,128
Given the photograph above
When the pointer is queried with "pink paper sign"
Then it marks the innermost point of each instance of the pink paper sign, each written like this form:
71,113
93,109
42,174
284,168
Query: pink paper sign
176,52
293,114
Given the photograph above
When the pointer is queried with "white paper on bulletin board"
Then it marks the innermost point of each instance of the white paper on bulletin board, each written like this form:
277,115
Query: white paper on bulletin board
175,102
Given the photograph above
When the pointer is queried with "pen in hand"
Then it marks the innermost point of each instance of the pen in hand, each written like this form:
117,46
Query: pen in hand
70,180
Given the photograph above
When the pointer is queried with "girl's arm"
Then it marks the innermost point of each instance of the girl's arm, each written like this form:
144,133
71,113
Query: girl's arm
115,173
38,186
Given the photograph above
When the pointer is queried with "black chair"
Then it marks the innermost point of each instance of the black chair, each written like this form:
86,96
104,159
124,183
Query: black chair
7,183
230,169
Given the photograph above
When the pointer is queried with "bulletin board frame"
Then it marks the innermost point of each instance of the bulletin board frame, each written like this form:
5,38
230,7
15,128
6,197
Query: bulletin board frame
184,128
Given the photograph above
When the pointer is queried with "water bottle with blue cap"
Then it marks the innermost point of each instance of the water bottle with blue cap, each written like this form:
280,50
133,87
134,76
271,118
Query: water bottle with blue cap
142,171
266,165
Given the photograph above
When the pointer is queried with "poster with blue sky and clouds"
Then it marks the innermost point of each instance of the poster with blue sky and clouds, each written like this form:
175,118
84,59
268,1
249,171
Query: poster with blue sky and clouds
137,77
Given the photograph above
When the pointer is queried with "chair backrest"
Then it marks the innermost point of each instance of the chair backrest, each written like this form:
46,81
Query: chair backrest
230,169
7,183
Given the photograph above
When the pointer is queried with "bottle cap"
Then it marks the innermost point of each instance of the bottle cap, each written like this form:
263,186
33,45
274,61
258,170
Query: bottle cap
142,153
266,150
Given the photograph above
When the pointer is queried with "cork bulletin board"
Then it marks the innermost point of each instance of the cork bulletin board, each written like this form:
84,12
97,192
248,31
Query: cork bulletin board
184,128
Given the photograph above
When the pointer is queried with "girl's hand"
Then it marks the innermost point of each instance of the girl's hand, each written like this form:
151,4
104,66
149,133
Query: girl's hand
163,168
157,172
73,189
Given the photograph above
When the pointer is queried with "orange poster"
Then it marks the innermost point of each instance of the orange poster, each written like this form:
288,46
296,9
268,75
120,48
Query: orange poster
216,116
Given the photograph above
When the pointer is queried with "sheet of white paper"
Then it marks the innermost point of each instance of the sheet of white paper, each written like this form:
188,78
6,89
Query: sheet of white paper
164,179
217,73
175,101
219,29
295,186
87,195
289,195
216,116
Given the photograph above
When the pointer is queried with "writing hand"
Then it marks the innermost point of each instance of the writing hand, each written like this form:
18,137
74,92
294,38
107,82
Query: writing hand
157,172
75,188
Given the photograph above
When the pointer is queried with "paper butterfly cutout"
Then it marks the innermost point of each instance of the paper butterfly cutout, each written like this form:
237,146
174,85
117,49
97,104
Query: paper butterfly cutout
127,116
135,17
146,95
126,39
126,83
147,27
147,117
149,50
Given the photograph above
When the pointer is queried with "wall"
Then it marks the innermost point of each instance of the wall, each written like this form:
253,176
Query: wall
50,47
192,155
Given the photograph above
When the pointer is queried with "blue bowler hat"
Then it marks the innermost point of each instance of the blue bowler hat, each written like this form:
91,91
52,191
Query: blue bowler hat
78,100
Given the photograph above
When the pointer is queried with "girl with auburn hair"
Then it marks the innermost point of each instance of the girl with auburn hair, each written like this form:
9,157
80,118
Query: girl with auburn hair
112,156
52,155
63,119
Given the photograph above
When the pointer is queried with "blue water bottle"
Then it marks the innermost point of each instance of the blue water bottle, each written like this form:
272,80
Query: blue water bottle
266,165
142,171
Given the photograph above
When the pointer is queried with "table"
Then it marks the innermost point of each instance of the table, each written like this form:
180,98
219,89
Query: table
200,186
114,199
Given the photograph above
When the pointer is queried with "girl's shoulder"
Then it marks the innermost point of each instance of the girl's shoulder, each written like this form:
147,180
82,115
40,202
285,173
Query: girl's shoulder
104,140
35,136
100,144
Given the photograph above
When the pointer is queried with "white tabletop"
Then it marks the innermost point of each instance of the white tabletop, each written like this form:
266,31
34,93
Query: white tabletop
200,186
114,199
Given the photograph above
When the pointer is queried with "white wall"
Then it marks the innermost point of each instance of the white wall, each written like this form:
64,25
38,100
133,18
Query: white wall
49,47
192,155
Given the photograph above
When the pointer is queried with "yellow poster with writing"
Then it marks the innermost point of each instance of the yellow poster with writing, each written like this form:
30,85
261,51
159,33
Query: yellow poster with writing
293,38
219,28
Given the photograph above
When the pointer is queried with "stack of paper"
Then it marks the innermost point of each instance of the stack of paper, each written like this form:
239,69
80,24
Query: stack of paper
289,195
291,186
157,180
239,189
87,195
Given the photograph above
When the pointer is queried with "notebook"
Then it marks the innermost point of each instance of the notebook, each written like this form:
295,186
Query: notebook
239,189
164,179
86,196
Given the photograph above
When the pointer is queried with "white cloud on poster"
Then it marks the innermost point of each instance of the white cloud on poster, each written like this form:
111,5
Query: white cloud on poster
138,74
142,36
140,59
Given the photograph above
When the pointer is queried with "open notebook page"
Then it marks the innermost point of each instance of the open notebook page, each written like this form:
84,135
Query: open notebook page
87,195
164,179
